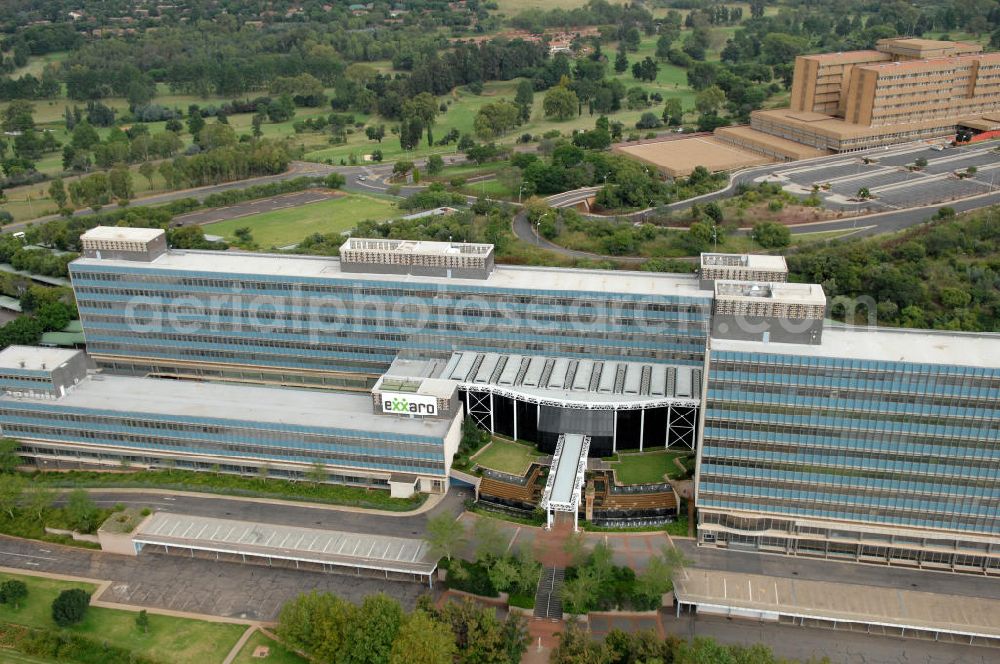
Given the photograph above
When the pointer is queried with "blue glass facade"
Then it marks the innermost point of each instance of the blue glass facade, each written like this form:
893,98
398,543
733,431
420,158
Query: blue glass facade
357,326
153,437
892,443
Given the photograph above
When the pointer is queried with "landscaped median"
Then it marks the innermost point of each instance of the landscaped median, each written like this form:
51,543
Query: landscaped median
106,636
230,485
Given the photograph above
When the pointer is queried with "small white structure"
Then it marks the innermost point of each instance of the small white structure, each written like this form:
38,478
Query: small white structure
564,485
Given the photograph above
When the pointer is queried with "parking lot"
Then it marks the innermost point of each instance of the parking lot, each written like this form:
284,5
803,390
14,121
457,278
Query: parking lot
888,178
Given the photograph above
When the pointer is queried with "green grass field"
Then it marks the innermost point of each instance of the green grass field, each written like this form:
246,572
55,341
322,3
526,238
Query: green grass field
282,228
169,639
278,653
507,456
646,467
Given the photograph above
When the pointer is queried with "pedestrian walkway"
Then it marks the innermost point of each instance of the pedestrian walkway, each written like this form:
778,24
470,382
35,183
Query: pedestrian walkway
548,596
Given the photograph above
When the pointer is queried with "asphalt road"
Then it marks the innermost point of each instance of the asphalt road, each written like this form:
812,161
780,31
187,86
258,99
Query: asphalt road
255,206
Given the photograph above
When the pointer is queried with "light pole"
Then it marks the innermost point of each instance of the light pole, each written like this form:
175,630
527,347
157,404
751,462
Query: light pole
520,191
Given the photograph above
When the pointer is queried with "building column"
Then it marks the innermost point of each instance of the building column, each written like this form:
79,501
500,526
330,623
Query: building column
642,427
666,439
576,520
548,518
491,413
614,434
515,419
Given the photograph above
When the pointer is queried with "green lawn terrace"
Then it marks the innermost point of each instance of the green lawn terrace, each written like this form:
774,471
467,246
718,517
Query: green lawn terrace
506,456
651,467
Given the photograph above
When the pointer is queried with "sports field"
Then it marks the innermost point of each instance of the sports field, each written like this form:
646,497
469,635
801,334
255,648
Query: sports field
283,228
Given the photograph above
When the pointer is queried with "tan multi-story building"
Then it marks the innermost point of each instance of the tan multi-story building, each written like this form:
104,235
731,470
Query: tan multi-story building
905,89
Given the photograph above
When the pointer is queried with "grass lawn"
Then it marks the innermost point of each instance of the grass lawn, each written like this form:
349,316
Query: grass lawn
170,639
282,228
278,655
507,456
646,467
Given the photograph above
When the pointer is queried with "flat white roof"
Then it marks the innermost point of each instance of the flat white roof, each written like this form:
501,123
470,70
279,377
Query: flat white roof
332,547
243,403
773,292
565,484
35,358
753,261
122,233
840,601
504,276
422,247
887,344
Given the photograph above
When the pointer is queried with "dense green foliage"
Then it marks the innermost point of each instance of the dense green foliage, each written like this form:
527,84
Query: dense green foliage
942,275
236,485
70,606
62,646
577,646
330,629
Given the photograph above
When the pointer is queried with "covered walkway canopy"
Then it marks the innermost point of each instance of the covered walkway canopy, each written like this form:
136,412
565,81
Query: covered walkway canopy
899,612
565,482
306,548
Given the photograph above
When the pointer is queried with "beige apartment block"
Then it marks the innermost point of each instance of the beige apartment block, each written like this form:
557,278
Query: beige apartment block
903,90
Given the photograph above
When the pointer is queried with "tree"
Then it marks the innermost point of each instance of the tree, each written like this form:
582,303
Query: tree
38,502
317,624
195,121
921,162
317,473
375,133
621,60
657,577
673,111
372,631
710,99
13,591
561,103
256,124
864,193
646,70
18,116
423,640
577,647
334,181
496,119
148,171
81,511
771,235
9,458
423,106
435,164
647,121
142,621
525,98
490,541
410,131
70,607
444,535
216,135
84,136
11,490
120,183
579,594
664,43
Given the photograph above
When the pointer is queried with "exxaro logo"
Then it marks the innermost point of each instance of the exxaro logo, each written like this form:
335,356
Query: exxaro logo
399,404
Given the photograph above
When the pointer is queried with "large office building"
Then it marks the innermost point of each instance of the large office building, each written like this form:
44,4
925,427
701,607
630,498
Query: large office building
316,321
903,90
874,446
869,444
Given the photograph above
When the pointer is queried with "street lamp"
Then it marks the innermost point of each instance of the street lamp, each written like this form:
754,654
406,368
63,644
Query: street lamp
520,191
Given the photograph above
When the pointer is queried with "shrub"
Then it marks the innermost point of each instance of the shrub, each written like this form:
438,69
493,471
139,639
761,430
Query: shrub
70,607
770,235
13,591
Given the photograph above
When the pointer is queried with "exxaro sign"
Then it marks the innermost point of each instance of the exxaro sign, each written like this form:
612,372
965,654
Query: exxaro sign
408,404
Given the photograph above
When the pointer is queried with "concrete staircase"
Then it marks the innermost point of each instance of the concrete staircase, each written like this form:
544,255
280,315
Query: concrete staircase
548,596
